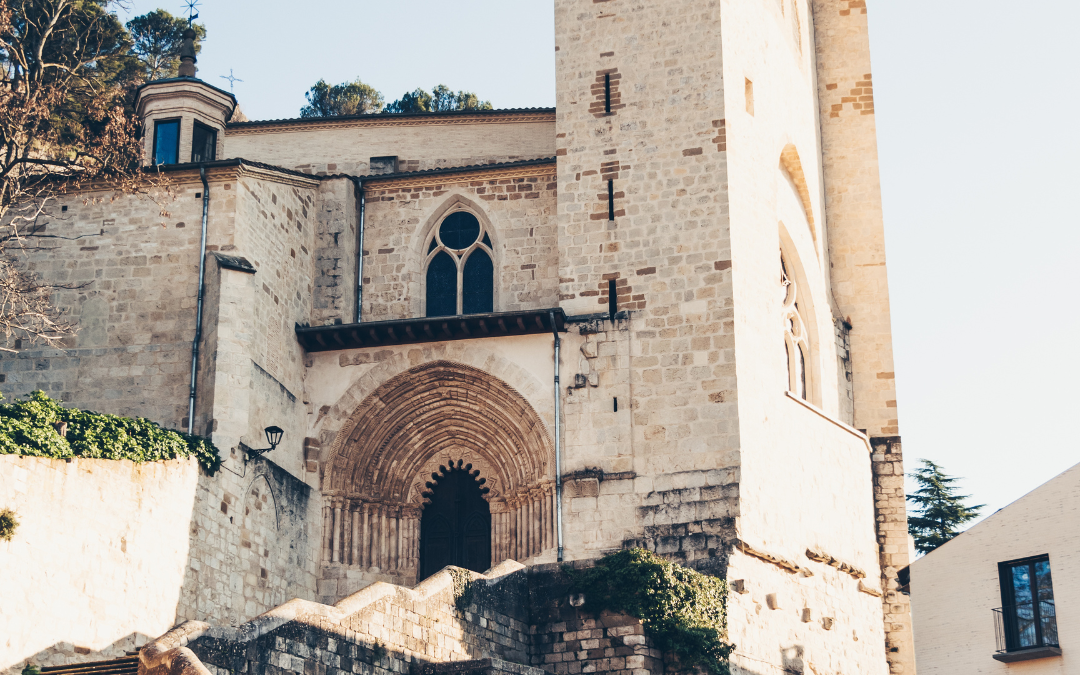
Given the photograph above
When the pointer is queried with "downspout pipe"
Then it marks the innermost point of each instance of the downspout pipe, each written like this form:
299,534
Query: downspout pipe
360,253
558,441
199,304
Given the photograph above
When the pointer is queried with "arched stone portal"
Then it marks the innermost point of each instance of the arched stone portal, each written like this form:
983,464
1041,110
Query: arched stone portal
415,427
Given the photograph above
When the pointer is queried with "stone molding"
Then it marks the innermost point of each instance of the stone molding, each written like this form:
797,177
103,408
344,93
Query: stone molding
294,125
821,413
446,177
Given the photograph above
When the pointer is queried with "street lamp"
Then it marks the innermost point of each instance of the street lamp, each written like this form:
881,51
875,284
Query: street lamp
273,437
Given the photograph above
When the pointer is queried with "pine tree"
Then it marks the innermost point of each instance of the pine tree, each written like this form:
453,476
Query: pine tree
939,512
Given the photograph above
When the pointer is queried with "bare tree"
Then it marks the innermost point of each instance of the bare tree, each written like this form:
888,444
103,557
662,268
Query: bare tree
63,130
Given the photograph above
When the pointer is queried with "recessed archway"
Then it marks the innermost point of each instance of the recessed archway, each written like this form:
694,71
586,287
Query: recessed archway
416,426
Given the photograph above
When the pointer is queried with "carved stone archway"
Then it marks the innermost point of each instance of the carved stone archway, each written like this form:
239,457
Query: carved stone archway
413,426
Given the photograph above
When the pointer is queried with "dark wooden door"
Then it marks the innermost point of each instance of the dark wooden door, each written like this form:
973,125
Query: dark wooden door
455,527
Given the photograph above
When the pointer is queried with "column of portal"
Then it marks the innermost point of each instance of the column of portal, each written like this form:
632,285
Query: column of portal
326,516
337,530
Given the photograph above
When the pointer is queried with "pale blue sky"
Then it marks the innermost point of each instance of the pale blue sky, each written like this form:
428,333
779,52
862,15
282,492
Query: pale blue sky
976,104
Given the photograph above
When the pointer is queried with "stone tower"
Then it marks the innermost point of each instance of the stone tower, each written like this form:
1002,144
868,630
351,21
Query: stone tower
717,170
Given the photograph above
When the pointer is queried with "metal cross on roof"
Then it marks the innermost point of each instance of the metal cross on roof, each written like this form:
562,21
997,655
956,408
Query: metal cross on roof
191,5
232,80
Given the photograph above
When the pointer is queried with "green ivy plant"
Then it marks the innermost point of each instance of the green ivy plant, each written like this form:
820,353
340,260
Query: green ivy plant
682,611
8,524
32,427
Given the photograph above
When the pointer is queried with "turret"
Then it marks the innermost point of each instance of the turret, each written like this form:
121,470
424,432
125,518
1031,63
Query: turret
183,117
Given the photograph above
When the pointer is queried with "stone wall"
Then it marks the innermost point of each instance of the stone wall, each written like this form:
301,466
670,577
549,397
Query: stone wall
517,208
665,245
860,279
163,542
422,142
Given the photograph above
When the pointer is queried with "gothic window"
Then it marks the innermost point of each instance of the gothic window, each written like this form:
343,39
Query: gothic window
460,269
796,343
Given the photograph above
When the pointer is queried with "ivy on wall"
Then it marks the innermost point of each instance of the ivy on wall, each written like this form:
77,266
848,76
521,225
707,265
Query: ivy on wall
41,427
682,611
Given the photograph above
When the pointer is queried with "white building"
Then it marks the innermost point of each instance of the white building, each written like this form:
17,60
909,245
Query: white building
1004,596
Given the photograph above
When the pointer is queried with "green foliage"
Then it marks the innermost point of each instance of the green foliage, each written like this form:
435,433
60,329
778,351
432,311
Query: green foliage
8,524
683,611
156,38
31,428
347,98
31,669
939,512
441,99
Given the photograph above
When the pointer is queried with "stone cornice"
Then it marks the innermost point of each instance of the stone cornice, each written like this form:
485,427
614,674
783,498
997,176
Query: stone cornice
387,120
457,176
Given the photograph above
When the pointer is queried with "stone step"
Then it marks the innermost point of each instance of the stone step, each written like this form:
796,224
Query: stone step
488,666
128,665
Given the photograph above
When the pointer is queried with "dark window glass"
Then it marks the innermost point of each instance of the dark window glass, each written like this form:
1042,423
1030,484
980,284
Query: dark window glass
442,286
166,142
459,230
478,284
434,244
487,240
203,143
1029,614
802,373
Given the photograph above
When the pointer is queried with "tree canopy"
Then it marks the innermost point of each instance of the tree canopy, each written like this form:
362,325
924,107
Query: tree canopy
66,75
347,98
156,38
939,512
357,98
440,99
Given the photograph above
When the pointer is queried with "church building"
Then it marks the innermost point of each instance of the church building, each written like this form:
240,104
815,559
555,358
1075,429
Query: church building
655,315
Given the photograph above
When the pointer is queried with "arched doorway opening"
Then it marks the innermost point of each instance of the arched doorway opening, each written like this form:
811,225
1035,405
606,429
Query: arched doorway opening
455,526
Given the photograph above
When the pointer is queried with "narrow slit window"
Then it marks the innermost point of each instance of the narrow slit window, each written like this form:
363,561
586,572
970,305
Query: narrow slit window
613,300
607,93
611,200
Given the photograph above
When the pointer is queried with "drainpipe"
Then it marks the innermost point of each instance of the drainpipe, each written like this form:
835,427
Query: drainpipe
558,445
199,304
360,252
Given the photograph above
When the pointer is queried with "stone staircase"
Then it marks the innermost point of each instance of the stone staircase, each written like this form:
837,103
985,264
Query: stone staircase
489,666
129,665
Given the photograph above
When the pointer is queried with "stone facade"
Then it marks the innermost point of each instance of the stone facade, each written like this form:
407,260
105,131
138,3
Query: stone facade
694,146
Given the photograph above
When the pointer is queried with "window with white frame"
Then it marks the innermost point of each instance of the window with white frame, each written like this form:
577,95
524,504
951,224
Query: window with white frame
796,340
460,272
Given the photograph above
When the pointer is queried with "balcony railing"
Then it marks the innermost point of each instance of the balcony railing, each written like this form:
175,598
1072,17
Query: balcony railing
1026,626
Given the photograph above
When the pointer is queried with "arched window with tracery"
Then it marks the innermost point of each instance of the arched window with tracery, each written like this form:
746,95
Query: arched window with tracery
796,340
460,269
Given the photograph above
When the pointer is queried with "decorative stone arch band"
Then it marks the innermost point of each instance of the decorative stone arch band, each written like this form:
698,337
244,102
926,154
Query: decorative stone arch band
432,416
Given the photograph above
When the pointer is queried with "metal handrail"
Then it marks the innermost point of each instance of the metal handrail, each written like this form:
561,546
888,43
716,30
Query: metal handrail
1026,625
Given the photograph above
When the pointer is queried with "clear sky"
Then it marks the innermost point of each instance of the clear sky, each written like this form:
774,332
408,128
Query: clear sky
976,108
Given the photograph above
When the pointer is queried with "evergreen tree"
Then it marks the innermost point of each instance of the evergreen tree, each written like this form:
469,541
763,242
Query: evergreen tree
347,98
441,99
156,40
939,512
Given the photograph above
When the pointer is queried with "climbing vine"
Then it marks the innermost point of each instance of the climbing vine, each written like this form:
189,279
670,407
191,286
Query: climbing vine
8,524
41,427
682,611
